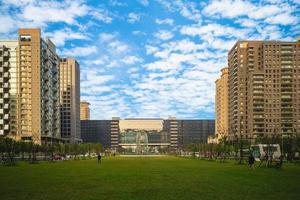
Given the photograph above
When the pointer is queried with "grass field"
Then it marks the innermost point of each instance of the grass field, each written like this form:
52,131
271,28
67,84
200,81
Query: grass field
147,178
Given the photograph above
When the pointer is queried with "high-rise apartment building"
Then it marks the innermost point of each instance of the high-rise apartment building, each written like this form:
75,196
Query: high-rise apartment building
39,88
221,105
29,88
264,88
9,81
84,110
70,99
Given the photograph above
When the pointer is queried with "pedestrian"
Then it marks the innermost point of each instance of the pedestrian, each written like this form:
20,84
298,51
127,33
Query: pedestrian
280,161
99,158
251,160
264,158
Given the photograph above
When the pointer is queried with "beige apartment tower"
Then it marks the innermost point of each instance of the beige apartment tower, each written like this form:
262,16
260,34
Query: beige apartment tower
39,115
264,89
84,110
70,100
221,105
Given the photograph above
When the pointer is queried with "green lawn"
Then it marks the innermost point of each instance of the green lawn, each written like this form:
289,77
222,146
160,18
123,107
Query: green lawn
147,178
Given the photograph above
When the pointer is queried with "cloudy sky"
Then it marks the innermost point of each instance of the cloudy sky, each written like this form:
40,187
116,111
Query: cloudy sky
151,58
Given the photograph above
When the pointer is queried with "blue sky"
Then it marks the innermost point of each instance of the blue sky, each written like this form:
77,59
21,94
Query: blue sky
151,58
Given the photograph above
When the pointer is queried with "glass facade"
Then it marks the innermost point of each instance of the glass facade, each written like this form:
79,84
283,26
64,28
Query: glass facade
142,136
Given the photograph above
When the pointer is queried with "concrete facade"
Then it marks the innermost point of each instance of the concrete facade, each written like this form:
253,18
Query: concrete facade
70,100
264,89
84,110
39,88
30,88
221,105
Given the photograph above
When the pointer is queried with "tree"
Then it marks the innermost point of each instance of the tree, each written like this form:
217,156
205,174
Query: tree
10,150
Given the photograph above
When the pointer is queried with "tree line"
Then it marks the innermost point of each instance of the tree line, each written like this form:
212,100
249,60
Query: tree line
12,151
290,147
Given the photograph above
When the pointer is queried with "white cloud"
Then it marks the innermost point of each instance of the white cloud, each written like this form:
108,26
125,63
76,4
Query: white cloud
184,46
264,11
214,30
117,3
102,15
105,37
228,8
164,35
144,2
17,2
270,32
247,22
137,32
191,12
59,37
165,21
118,47
130,60
277,12
32,13
133,17
151,49
283,19
186,9
79,51
7,24
50,11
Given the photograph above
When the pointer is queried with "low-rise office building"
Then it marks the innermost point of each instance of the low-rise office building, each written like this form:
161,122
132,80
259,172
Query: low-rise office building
146,135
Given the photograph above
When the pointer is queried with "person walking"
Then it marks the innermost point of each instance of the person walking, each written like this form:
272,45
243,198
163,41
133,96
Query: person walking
263,158
279,165
251,160
99,158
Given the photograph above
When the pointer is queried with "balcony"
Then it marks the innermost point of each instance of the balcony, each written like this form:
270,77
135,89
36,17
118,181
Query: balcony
286,90
258,108
5,64
287,116
286,52
6,75
6,106
286,62
6,54
258,117
258,82
258,92
286,82
6,96
286,96
259,121
6,85
256,98
6,127
286,77
286,46
6,116
286,67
